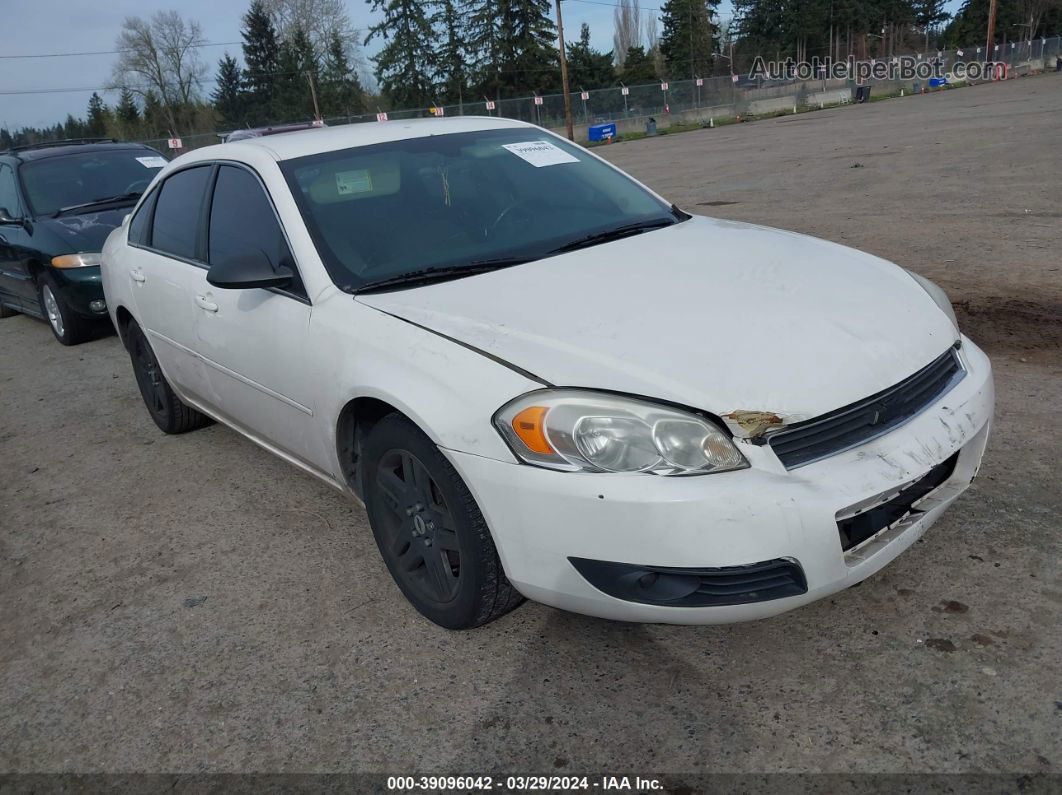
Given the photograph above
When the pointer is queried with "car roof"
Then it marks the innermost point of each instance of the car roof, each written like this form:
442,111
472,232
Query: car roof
48,150
288,145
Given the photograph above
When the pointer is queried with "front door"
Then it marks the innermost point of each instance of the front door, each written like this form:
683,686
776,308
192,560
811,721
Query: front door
254,340
16,282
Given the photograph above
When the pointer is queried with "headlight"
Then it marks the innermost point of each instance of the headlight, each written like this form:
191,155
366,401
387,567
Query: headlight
81,260
938,295
574,430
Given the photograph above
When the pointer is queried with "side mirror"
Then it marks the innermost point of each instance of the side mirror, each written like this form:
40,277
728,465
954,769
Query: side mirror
247,271
7,220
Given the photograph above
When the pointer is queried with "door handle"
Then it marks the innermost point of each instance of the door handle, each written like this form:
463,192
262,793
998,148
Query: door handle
137,276
204,302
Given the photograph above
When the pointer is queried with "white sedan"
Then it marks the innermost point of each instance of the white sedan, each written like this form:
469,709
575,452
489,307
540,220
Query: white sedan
543,379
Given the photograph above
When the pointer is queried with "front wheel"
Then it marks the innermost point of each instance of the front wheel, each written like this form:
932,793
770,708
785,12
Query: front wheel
430,531
67,326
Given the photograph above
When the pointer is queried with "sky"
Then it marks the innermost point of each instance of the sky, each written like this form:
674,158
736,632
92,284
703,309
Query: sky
77,26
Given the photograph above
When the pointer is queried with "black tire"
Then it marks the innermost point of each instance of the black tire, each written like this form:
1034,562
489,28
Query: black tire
68,327
165,408
429,529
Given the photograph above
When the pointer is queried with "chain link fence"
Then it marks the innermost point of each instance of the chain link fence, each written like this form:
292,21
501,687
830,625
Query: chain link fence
704,101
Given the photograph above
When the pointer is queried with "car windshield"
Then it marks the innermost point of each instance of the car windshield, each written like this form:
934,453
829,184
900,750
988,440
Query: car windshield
462,199
55,183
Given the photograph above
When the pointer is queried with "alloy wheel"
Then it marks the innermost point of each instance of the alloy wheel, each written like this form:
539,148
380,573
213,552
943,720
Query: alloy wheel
148,377
420,531
51,308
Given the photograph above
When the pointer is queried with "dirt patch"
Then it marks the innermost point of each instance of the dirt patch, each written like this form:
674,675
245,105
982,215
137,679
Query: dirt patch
1011,324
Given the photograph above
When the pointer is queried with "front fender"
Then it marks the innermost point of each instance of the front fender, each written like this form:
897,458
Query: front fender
448,390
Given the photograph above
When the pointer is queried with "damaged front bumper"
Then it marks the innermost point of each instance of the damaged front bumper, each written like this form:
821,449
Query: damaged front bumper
718,526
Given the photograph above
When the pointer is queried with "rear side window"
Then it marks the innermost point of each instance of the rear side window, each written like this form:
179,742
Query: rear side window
140,225
177,210
242,221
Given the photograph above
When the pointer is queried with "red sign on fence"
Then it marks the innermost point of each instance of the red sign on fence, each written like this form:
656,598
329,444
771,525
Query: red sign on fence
490,104
584,95
663,86
174,143
538,100
381,117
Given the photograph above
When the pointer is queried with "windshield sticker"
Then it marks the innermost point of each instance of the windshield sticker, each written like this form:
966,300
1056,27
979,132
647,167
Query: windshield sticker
152,161
348,182
540,153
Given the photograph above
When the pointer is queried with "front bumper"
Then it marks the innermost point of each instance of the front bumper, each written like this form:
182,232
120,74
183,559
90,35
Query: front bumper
80,287
541,518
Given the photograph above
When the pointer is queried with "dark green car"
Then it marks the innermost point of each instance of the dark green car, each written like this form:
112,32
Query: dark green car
58,203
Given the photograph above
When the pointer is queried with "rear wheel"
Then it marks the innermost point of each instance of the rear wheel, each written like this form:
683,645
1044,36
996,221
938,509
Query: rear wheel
67,326
166,409
430,531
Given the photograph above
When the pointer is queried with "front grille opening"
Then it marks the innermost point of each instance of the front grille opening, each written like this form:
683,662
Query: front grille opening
695,587
854,530
853,425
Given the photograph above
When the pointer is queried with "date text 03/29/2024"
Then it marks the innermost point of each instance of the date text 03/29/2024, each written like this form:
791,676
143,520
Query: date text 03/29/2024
522,783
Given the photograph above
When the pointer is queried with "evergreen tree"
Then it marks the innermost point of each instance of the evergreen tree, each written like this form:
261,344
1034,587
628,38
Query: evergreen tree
126,110
261,51
293,100
452,52
228,94
407,63
341,90
514,47
688,41
96,124
154,115
638,67
588,68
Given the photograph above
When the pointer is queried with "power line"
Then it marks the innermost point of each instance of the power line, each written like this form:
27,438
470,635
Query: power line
110,52
615,5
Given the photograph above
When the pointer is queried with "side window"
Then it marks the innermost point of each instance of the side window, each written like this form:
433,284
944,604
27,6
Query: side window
8,192
139,225
242,221
176,225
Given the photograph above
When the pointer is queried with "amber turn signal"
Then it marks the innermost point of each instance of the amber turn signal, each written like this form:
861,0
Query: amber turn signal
530,426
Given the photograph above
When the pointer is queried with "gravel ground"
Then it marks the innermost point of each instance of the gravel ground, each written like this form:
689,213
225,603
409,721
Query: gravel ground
191,604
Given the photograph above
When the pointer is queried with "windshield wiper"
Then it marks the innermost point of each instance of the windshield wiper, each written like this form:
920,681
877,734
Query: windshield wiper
615,233
123,197
424,276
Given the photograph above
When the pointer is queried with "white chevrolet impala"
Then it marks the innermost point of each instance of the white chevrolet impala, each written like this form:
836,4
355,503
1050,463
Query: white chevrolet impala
544,380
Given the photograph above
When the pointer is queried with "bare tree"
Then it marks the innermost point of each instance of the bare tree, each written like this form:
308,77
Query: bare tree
160,58
627,19
1034,11
318,18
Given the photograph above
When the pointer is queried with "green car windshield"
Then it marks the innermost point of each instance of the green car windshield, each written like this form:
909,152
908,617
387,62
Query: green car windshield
461,199
66,181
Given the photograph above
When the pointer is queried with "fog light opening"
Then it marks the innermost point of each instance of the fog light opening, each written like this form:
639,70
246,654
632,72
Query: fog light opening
98,306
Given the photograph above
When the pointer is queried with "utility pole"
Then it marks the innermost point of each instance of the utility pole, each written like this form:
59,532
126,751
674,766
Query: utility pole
313,94
991,29
564,76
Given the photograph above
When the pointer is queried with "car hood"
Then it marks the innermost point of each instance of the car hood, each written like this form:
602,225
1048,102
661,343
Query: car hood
713,314
86,231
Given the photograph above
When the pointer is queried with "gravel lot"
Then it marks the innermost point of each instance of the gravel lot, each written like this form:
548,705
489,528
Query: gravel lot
191,604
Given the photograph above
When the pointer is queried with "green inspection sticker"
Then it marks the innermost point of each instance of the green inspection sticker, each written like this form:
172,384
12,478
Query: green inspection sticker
348,182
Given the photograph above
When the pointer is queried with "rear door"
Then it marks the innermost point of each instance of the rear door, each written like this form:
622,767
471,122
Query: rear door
166,266
254,340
